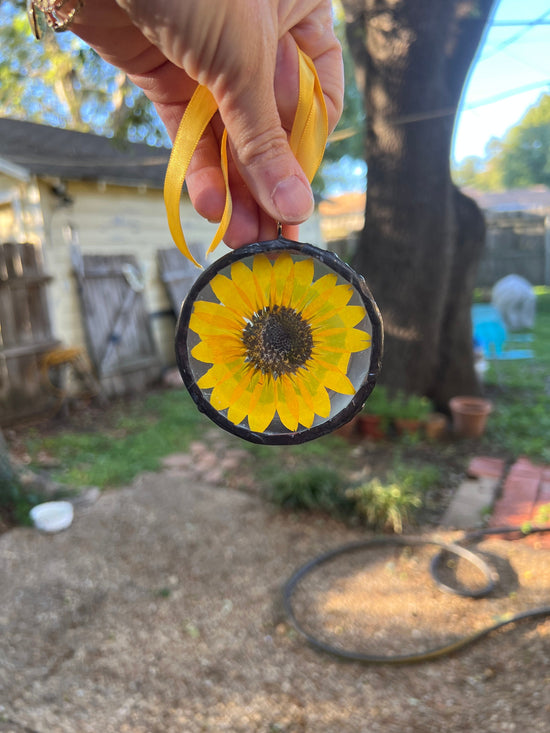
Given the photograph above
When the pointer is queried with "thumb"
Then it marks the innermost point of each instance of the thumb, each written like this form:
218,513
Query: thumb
262,154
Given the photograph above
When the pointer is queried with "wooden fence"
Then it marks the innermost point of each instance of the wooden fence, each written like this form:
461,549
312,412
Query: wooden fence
25,331
516,243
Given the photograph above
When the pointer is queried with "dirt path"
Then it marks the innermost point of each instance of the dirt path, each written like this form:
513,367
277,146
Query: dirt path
159,611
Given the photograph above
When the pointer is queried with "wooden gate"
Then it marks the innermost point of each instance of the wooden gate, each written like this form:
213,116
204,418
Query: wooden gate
118,331
178,274
25,331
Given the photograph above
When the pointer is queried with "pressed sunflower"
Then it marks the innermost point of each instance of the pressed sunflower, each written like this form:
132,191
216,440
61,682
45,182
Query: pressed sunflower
278,340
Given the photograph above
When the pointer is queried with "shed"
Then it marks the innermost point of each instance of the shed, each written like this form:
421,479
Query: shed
87,260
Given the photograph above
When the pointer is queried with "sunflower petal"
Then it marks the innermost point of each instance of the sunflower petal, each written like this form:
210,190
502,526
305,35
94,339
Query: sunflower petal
286,417
303,276
324,284
288,289
220,348
311,377
322,402
327,303
214,309
351,315
227,293
261,415
218,373
261,268
357,340
209,324
319,301
287,394
282,272
244,282
343,339
238,409
305,396
221,394
338,382
307,415
243,384
346,317
343,363
287,404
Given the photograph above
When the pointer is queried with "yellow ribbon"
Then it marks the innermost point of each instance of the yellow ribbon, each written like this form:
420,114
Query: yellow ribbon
308,138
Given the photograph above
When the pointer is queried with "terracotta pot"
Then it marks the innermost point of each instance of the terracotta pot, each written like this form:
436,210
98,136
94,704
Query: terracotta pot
435,426
470,415
371,426
407,426
348,430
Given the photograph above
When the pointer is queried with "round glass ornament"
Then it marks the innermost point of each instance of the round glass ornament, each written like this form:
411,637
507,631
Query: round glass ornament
279,342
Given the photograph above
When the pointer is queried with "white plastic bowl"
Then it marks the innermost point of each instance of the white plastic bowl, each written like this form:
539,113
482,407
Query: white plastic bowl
52,516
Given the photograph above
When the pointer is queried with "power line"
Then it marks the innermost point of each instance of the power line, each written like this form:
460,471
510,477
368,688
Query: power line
446,111
516,36
508,93
334,137
526,63
512,23
343,134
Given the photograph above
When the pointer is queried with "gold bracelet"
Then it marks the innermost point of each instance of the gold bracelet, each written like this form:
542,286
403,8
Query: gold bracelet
55,14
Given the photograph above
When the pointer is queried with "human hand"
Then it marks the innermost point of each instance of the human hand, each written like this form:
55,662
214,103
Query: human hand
245,53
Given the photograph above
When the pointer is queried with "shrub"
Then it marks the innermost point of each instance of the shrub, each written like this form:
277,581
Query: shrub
391,504
412,407
379,403
384,506
312,487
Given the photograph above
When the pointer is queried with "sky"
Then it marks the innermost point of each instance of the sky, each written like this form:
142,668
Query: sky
503,65
510,58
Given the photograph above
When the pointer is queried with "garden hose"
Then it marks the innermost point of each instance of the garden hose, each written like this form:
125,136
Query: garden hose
445,548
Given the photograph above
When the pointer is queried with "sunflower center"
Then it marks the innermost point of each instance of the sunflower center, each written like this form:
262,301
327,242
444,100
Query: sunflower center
277,341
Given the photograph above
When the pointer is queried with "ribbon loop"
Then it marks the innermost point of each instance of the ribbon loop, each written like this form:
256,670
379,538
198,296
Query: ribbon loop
307,141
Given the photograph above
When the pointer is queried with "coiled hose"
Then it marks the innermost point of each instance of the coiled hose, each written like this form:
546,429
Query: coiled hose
445,549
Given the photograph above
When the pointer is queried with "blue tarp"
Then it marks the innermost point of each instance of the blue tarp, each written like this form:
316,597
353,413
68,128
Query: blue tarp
490,334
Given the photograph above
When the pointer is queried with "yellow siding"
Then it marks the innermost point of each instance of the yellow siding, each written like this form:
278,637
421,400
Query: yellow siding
105,219
20,214
108,219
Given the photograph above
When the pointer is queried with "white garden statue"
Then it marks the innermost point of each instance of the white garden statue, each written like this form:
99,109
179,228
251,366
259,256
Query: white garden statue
513,296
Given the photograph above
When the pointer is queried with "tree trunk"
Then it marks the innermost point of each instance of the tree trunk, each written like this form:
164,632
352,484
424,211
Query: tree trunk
422,239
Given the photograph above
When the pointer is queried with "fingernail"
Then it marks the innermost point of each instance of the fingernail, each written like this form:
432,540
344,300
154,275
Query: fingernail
293,200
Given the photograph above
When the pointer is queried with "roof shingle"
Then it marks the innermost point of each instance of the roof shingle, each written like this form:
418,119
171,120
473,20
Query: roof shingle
78,156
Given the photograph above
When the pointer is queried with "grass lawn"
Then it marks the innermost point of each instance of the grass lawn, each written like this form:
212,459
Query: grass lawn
109,448
520,391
